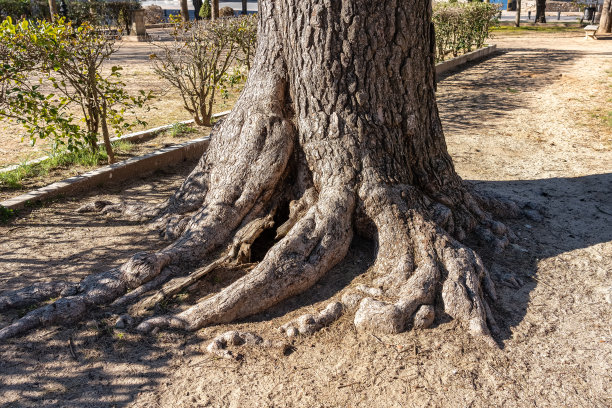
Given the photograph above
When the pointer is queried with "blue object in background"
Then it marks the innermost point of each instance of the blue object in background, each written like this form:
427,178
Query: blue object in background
504,3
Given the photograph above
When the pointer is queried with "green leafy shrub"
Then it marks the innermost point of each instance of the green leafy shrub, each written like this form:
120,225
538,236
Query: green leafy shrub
196,63
461,27
47,68
205,10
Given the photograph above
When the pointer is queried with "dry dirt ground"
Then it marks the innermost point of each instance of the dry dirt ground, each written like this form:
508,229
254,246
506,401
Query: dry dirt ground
525,123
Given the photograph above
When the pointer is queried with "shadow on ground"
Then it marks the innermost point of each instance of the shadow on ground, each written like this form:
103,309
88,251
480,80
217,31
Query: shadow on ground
524,70
577,214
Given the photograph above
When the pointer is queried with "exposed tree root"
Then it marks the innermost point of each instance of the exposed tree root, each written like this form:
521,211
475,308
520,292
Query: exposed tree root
314,245
218,345
347,136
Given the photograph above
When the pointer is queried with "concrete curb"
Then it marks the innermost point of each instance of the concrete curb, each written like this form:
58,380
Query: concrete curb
169,156
480,53
141,165
131,137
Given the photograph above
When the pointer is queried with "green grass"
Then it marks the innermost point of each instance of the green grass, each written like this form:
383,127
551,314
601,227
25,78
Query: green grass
538,28
13,179
179,129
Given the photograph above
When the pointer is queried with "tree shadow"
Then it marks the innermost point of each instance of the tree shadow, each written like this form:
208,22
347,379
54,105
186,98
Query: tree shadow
502,79
577,213
46,368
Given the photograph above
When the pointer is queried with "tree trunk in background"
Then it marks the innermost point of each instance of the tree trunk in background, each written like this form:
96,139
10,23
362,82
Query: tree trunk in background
53,9
517,20
605,22
214,9
244,7
540,16
197,5
184,11
336,133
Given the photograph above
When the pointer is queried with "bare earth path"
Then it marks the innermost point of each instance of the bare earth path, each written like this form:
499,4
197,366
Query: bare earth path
525,123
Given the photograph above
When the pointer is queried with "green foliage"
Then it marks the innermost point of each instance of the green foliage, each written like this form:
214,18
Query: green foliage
6,214
96,12
196,63
460,27
12,180
205,10
14,8
177,129
244,32
48,68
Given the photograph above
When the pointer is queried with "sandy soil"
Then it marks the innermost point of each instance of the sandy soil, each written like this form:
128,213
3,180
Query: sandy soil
519,124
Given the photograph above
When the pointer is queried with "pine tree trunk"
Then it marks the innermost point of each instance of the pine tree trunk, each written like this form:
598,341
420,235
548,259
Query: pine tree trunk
336,133
540,16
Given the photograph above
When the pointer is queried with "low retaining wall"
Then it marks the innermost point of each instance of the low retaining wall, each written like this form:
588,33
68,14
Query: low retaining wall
167,157
480,53
131,137
140,166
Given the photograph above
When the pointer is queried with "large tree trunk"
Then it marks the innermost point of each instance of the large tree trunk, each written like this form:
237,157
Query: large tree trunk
540,16
605,21
336,133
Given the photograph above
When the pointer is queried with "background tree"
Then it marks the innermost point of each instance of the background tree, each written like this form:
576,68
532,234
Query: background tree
517,20
197,5
68,60
605,21
205,10
196,62
215,9
53,9
540,16
336,134
244,7
184,11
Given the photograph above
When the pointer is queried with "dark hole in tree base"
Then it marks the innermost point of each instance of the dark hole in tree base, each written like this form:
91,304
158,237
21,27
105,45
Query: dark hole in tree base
266,240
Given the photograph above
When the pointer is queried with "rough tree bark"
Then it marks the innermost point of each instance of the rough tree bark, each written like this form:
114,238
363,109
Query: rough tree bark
605,21
336,133
540,16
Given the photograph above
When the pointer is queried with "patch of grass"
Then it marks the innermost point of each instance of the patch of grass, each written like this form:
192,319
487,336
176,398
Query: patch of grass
179,129
558,28
512,90
13,179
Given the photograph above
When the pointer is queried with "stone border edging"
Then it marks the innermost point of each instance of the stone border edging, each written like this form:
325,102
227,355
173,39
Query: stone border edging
141,165
480,53
130,137
148,163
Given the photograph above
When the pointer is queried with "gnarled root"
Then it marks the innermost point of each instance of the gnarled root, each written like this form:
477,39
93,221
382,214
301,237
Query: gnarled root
314,245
